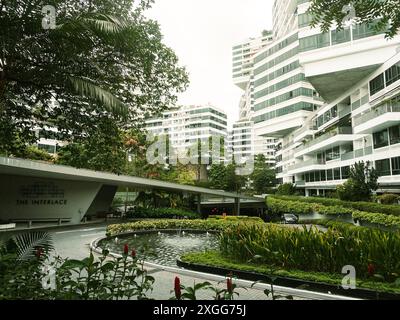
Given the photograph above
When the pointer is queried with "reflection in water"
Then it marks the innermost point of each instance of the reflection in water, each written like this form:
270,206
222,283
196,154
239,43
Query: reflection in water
164,248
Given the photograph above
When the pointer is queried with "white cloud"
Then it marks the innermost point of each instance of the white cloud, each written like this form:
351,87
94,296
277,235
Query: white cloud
202,33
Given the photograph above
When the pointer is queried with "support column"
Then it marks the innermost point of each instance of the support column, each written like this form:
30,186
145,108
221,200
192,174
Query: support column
237,206
199,203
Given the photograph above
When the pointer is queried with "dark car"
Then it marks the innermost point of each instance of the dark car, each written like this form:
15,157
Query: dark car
290,218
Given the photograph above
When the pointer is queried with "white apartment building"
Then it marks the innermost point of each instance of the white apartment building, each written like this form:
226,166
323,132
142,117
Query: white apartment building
332,99
186,125
246,143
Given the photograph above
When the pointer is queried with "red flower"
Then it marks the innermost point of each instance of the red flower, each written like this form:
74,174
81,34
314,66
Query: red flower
177,288
371,269
126,249
133,253
229,285
39,253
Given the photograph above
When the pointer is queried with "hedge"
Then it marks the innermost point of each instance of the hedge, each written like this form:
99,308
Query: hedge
162,213
361,206
209,225
280,206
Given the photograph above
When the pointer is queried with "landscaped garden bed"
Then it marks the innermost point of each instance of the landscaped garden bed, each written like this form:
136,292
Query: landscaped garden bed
295,256
333,208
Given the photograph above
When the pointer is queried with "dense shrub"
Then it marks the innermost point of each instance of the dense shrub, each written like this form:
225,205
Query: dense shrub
389,198
209,225
361,206
377,218
236,218
286,189
280,206
161,213
313,250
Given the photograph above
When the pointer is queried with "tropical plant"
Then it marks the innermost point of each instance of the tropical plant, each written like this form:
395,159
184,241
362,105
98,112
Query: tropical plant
328,12
286,189
362,181
103,59
312,249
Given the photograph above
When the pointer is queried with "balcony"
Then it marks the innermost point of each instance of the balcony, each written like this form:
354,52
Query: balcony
330,139
378,118
309,165
305,131
356,154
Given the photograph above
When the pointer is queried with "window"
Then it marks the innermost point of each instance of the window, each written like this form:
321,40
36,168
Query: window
340,36
315,42
329,174
312,177
317,176
334,111
392,74
336,173
345,172
377,84
394,133
323,175
396,166
383,167
381,139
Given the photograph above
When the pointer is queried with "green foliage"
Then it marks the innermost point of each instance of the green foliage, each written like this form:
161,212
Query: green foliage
286,189
161,213
377,218
33,153
105,60
224,177
389,198
217,259
328,12
236,218
206,225
101,150
362,181
360,206
263,177
314,250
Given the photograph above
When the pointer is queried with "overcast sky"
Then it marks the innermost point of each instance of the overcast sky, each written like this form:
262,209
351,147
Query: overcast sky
202,33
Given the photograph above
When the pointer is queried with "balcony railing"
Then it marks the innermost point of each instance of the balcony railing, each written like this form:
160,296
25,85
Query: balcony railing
376,112
307,163
357,154
330,134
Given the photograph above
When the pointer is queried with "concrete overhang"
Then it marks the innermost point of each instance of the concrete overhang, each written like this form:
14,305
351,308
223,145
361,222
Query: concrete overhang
27,168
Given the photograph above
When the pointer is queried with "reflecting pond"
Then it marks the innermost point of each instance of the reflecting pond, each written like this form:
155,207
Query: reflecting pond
163,247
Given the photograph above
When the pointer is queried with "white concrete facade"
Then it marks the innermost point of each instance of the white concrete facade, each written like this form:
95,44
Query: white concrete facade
356,71
186,125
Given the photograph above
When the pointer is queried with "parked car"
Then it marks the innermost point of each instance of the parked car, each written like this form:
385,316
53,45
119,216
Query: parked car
290,218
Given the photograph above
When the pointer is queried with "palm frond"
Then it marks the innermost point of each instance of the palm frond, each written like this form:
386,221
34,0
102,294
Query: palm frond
95,22
106,23
87,88
28,243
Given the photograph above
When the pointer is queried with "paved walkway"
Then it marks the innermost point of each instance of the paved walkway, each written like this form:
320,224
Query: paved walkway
74,242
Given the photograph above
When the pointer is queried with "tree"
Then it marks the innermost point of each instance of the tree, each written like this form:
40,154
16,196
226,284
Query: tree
225,178
387,12
104,59
263,177
286,189
101,150
362,181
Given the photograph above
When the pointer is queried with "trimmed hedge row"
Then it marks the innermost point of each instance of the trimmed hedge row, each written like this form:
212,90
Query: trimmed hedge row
236,218
280,206
377,218
210,225
161,213
361,206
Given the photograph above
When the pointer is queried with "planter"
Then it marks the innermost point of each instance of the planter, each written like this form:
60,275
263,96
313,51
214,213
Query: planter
290,282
